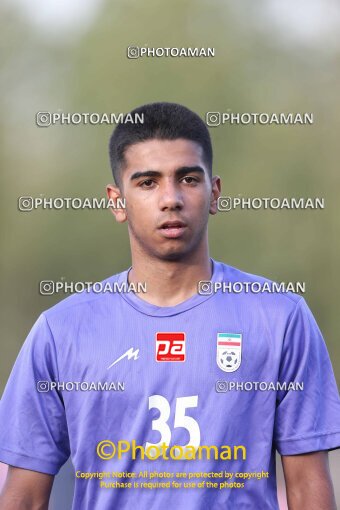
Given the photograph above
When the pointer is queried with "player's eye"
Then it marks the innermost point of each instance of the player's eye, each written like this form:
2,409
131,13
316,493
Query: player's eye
146,184
190,180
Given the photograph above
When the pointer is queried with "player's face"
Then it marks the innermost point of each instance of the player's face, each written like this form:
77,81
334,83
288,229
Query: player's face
169,196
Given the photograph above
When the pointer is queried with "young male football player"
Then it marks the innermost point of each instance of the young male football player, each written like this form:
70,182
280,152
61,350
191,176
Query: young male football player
204,384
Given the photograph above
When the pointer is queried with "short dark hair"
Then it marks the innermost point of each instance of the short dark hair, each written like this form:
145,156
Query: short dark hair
162,121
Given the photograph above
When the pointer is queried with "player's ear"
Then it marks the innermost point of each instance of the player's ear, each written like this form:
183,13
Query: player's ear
115,197
215,193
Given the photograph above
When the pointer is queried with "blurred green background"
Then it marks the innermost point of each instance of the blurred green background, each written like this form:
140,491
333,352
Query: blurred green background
271,56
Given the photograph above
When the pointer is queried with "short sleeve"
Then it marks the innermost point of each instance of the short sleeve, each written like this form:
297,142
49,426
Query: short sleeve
307,419
33,428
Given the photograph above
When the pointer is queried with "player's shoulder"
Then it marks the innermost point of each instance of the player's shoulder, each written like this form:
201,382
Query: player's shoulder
261,288
92,297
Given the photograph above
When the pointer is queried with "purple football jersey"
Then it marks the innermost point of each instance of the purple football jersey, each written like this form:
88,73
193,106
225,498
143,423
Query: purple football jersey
210,388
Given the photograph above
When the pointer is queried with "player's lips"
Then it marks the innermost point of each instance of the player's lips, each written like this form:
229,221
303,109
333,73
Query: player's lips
172,229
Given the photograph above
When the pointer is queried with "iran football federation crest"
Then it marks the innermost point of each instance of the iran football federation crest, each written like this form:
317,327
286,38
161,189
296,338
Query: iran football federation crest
229,349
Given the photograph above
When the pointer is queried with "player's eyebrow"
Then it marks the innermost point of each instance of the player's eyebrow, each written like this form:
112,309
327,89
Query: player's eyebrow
183,170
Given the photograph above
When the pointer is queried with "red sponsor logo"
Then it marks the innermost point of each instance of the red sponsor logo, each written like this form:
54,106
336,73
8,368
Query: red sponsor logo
170,346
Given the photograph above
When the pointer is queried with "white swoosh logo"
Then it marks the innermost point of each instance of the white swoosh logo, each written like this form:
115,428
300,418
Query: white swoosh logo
129,354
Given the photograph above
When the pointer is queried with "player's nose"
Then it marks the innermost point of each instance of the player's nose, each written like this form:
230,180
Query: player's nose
171,196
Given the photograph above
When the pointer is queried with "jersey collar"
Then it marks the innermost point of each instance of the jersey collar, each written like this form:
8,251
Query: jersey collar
166,311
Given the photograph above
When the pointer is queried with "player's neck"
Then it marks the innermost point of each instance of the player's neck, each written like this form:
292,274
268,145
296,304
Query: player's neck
169,283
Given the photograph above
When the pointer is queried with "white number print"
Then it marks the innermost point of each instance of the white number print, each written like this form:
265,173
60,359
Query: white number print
181,420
